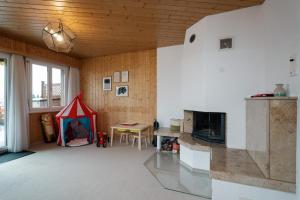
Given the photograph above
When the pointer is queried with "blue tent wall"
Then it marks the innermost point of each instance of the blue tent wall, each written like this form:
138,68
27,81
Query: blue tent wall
85,121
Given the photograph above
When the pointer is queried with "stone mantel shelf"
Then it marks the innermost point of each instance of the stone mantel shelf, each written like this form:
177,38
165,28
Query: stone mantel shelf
234,165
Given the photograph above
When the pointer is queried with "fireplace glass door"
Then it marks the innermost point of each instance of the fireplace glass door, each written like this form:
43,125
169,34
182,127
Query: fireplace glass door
209,126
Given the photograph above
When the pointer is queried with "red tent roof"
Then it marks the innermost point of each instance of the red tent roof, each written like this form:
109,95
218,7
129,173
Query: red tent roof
76,109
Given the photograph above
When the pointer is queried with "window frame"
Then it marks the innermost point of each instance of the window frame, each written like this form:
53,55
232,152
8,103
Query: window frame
6,58
64,81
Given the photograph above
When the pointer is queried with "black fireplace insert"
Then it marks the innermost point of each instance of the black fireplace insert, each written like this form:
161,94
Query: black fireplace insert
209,126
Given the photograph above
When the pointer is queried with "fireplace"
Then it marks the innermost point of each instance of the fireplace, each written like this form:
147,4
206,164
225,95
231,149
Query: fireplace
209,126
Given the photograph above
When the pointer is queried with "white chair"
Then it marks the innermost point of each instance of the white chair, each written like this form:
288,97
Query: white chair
135,135
124,135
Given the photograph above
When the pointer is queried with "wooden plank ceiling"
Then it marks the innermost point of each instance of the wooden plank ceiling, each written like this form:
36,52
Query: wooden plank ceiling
105,27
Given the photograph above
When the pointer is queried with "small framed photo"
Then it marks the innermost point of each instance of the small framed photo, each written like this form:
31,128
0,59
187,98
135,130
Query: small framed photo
117,77
124,76
107,83
122,91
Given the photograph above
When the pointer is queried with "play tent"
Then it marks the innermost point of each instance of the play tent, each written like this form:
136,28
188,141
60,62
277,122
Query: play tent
77,124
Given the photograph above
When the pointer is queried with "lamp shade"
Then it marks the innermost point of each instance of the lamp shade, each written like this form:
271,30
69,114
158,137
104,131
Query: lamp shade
58,37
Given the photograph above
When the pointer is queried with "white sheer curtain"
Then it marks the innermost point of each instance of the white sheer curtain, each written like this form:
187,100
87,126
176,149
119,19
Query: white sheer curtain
17,122
73,84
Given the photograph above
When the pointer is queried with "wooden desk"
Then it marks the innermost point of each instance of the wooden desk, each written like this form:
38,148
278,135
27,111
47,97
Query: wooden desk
136,128
164,132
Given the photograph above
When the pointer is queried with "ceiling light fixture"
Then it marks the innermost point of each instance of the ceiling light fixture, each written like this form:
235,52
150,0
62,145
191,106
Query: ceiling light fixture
58,37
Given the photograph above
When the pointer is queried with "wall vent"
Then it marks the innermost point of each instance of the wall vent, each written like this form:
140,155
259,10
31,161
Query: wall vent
226,43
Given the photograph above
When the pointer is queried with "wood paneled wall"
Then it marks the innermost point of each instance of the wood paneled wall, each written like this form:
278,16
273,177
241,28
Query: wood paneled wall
139,106
8,45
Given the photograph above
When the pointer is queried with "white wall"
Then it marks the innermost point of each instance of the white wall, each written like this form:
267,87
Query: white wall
281,42
223,190
265,37
195,159
219,80
192,71
211,80
168,84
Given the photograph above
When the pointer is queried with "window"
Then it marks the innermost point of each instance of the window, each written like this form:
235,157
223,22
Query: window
39,86
2,103
47,86
57,91
3,100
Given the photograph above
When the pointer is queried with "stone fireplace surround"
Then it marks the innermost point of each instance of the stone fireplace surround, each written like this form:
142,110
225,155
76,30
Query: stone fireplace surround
225,164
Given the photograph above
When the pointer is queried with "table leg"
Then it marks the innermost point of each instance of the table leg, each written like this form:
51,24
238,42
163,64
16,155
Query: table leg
111,137
149,139
158,143
140,141
158,158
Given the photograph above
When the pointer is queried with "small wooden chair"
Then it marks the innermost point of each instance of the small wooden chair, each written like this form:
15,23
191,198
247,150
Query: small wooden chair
135,135
125,133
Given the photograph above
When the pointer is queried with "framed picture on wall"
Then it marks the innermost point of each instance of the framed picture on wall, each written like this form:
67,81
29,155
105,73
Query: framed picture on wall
124,76
117,77
107,83
122,91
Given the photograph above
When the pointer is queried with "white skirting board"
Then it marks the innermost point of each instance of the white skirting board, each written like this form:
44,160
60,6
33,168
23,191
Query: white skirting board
195,159
223,190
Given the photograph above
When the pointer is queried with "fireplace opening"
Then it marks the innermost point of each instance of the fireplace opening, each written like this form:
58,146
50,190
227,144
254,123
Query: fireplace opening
209,126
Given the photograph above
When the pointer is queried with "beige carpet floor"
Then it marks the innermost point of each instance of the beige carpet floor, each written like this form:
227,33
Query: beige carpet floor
88,172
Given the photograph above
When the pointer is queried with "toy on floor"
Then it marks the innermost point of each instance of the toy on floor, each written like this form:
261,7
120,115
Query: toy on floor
48,129
102,139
